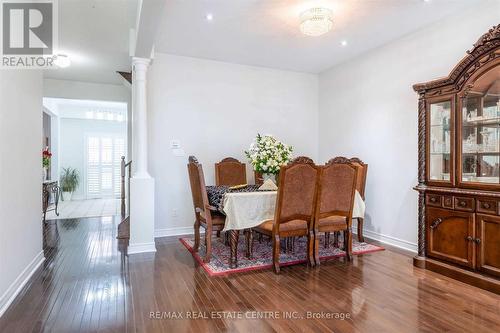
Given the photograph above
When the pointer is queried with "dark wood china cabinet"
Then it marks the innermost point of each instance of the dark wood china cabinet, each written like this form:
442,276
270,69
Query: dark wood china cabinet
459,164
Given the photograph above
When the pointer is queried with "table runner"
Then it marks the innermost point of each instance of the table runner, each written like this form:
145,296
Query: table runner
216,194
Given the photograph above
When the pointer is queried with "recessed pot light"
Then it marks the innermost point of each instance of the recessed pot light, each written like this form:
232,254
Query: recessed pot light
209,17
343,43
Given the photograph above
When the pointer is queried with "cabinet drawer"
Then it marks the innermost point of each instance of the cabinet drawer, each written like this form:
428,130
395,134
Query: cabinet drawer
448,202
465,204
434,200
487,206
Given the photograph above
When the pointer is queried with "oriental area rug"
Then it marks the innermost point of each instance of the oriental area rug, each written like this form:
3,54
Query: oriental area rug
262,254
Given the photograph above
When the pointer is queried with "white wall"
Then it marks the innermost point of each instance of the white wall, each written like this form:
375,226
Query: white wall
20,179
215,109
72,144
369,109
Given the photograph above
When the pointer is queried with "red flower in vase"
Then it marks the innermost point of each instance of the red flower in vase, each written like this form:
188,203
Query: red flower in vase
46,156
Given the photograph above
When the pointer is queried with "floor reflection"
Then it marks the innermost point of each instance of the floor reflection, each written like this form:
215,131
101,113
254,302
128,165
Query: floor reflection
83,284
50,238
89,284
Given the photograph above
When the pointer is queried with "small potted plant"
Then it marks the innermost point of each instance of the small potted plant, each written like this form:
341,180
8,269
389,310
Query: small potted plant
70,179
267,155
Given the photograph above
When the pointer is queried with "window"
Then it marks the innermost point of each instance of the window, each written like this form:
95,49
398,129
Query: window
103,165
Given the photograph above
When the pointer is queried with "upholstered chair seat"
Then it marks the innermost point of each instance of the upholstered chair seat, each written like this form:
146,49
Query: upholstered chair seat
294,225
217,218
332,222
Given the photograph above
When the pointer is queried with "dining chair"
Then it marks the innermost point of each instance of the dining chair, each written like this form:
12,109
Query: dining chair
230,172
362,171
334,204
206,216
294,213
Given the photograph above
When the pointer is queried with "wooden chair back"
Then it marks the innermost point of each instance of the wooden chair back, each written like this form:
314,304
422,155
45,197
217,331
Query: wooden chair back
230,172
336,189
198,189
362,171
296,192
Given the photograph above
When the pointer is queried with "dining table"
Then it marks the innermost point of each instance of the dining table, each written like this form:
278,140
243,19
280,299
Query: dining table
247,207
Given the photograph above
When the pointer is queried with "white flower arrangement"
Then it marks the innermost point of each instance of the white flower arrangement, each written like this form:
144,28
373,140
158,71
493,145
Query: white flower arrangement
267,154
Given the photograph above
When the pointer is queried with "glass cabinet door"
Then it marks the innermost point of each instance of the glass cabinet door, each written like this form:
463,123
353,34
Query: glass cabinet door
480,132
440,141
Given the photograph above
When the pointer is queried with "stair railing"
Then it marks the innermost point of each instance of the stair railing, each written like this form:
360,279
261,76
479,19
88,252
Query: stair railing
126,174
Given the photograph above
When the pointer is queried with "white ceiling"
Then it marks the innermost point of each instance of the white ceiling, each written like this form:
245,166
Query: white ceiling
95,34
266,32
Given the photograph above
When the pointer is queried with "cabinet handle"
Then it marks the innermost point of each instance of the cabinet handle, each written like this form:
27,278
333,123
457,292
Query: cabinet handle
436,223
469,238
486,206
433,199
477,240
462,203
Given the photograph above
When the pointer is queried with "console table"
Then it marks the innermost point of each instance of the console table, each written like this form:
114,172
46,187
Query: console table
50,188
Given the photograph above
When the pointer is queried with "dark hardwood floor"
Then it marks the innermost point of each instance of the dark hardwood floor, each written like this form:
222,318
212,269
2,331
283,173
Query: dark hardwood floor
88,284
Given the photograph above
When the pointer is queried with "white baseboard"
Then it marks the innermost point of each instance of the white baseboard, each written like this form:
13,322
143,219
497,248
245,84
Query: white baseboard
393,241
176,231
141,248
16,287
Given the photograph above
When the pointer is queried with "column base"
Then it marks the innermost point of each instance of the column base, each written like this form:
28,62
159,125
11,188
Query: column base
142,215
141,248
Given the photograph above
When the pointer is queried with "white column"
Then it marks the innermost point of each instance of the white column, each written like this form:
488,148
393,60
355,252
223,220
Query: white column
142,185
139,115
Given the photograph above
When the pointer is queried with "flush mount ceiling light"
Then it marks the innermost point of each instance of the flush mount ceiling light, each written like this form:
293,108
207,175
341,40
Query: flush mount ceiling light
62,61
316,21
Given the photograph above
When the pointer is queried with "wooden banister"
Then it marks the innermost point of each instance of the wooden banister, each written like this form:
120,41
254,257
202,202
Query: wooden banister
126,174
125,192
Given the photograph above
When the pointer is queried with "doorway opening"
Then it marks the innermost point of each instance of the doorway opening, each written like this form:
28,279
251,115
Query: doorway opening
87,140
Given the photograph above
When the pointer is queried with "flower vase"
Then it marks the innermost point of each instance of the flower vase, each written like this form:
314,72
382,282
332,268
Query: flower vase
44,174
270,176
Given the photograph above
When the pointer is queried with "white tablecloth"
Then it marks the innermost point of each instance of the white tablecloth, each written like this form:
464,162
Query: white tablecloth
249,209
358,208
